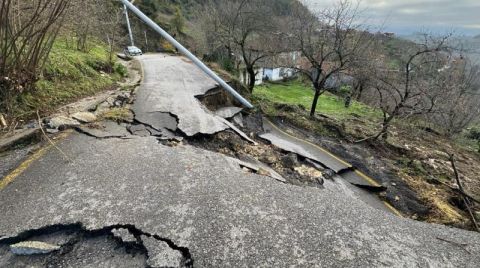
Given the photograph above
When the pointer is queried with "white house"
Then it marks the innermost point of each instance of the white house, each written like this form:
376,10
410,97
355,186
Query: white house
278,74
279,67
275,68
258,78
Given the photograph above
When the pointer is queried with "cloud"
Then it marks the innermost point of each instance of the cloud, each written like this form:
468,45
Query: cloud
472,26
411,11
406,16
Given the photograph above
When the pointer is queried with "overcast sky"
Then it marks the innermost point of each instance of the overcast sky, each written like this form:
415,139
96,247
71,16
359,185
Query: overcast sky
409,16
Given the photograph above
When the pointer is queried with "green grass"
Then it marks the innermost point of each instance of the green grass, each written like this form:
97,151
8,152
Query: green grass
69,75
296,93
467,141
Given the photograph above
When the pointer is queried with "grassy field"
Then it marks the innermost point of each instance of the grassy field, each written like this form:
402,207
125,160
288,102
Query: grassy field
69,75
296,93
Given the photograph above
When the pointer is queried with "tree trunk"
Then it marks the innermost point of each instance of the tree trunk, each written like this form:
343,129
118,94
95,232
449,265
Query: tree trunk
384,133
385,126
359,93
251,78
314,103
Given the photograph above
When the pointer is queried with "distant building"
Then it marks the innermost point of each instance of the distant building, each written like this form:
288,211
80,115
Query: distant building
258,78
282,66
278,74
276,68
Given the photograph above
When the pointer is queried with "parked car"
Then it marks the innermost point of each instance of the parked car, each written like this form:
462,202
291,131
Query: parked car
133,51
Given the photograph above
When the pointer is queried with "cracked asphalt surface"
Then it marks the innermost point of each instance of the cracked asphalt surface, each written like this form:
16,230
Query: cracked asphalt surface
305,149
204,202
170,86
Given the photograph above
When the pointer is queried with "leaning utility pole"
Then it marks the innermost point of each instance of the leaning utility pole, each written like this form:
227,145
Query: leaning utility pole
187,53
128,25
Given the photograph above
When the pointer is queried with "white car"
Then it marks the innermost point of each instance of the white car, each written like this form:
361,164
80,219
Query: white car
133,51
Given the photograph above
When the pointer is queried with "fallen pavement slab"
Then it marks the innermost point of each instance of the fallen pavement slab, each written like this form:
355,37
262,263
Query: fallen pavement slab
158,120
96,248
139,130
238,131
84,117
105,130
291,144
228,112
258,167
124,234
238,119
318,157
62,122
359,179
33,248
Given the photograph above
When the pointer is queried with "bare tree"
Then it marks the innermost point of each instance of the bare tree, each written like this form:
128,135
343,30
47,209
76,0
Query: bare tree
369,59
413,89
82,19
244,28
459,105
110,28
27,32
330,41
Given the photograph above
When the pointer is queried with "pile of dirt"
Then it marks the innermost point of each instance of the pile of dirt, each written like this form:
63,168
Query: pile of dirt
294,169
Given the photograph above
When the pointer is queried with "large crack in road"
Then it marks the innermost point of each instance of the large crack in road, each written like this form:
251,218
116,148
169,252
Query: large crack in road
105,247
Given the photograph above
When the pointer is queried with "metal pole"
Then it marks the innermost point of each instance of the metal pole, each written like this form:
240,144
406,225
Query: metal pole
128,25
146,40
187,53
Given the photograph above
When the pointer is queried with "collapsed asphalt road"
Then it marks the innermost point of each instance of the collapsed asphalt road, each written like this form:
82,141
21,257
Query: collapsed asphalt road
169,92
225,217
203,203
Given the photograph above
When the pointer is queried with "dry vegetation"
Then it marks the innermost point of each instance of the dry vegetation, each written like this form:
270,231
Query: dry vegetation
54,52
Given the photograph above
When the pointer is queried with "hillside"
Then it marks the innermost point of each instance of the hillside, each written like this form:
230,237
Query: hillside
470,44
69,74
180,18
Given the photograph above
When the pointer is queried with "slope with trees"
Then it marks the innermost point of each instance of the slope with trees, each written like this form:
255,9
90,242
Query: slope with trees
423,102
52,52
331,41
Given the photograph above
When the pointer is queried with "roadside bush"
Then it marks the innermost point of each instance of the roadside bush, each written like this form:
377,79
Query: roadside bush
28,30
474,134
121,70
167,47
345,90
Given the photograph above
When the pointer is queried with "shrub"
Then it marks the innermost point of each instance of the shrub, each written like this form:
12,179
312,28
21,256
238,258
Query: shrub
474,134
120,69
